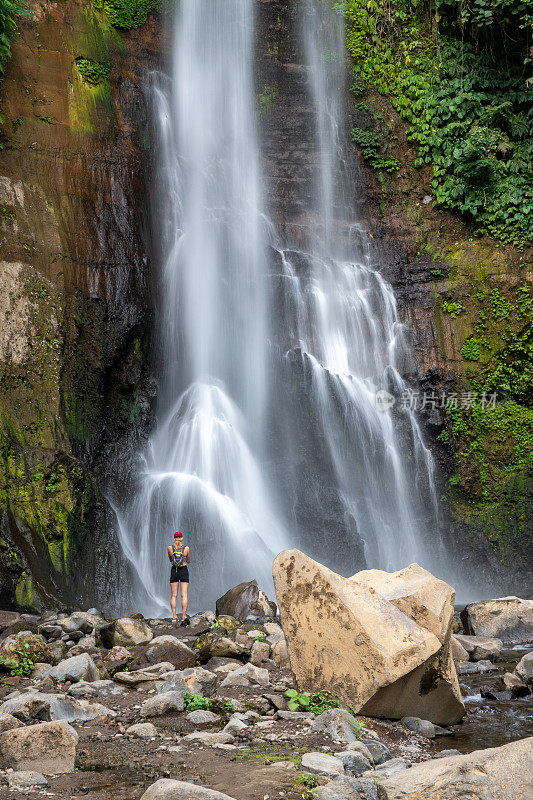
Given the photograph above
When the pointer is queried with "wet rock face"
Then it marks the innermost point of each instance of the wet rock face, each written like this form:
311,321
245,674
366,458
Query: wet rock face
75,301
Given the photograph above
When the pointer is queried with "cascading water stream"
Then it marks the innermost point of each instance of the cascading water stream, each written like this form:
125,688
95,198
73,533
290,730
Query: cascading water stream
215,466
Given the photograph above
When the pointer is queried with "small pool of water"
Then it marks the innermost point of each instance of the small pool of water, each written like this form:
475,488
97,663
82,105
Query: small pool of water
491,723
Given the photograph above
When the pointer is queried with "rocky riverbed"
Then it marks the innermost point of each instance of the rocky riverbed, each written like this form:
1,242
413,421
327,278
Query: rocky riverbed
135,708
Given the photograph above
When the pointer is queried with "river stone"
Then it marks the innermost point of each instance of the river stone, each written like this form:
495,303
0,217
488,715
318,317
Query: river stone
31,645
458,651
162,704
213,645
8,722
256,676
359,747
37,705
167,789
524,668
354,763
421,726
336,723
322,764
345,788
25,780
75,669
195,680
210,739
379,752
356,637
202,718
165,648
49,747
129,632
507,618
9,618
471,668
389,767
514,684
134,679
499,773
260,652
246,600
480,647
142,730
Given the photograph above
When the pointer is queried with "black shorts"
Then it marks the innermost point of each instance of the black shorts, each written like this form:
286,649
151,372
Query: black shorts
179,574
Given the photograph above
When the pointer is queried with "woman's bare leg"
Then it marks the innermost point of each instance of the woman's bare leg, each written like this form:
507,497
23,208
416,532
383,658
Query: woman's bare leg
184,598
173,598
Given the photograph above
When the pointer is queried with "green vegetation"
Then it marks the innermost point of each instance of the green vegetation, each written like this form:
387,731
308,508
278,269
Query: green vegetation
453,308
127,13
196,702
459,74
494,438
265,99
93,72
9,11
24,661
372,149
306,783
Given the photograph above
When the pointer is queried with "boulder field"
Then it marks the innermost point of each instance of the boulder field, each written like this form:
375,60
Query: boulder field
226,707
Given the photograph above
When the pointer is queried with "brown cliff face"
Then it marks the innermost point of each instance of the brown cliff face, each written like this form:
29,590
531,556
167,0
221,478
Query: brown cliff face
75,293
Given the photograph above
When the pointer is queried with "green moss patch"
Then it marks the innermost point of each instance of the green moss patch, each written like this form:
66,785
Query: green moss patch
127,13
93,71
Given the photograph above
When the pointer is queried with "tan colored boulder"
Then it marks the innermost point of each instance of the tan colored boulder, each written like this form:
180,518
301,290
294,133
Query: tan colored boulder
507,618
49,747
128,632
165,648
348,637
458,651
9,722
499,773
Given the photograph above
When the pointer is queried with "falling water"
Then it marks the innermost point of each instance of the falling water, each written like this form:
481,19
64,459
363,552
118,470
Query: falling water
244,316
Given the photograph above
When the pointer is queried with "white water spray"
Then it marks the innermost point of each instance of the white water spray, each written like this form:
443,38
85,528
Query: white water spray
210,469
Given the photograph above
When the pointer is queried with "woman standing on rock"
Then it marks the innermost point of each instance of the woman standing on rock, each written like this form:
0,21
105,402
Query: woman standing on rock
179,556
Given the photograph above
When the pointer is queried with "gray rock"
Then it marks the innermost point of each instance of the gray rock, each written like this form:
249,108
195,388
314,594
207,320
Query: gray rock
162,704
77,668
344,788
37,705
196,680
134,679
260,652
421,726
166,789
235,726
322,764
142,730
202,718
25,780
391,767
255,675
9,618
360,747
507,618
480,647
524,668
279,701
49,747
246,600
336,723
294,715
446,753
354,762
165,648
470,668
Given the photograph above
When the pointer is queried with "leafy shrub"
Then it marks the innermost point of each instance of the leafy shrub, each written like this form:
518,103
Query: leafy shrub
196,702
24,662
453,308
127,13
468,107
9,11
93,71
371,148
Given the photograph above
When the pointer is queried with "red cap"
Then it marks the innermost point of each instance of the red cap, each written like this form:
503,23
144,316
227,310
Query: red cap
178,535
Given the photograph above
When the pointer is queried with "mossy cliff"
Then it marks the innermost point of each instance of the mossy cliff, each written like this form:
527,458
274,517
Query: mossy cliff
441,115
74,291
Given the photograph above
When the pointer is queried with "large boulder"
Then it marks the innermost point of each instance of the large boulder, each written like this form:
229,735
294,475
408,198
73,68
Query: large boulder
8,618
380,640
507,618
195,680
128,632
24,645
38,705
49,747
77,668
500,773
165,648
246,600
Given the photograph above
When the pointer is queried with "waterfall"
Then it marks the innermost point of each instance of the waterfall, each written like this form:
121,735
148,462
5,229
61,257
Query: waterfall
271,351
